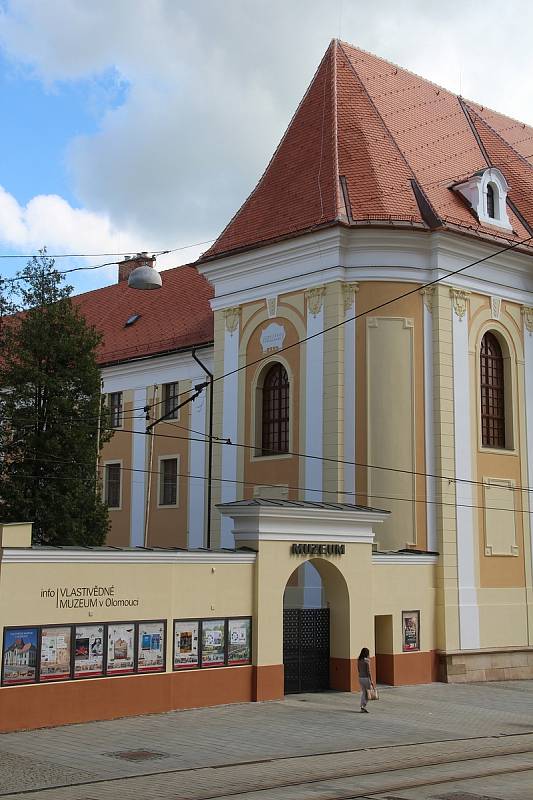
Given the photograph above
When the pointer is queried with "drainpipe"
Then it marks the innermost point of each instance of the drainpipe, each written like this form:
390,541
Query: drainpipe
209,450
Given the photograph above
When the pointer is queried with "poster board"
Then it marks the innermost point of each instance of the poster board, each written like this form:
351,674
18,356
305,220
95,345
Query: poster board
151,646
55,653
213,642
239,640
410,631
120,651
186,644
19,656
88,651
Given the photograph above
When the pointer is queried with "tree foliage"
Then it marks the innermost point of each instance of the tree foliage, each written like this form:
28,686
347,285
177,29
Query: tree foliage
53,420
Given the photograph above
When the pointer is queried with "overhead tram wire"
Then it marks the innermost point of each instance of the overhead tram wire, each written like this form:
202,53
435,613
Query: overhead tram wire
418,288
292,488
221,441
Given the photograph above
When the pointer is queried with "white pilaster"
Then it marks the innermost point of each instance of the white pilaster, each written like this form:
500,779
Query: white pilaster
469,637
528,370
138,475
349,398
431,509
230,412
314,394
197,460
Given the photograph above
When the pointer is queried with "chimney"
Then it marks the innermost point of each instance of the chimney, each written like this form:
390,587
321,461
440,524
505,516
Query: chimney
130,263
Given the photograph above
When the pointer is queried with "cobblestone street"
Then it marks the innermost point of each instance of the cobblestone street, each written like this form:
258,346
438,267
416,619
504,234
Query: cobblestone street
417,742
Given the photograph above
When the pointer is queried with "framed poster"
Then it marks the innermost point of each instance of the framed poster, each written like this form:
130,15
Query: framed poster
56,648
151,646
120,648
410,631
88,651
239,641
186,640
213,642
19,655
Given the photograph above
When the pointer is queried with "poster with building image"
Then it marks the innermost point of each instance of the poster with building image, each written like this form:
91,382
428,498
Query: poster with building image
88,651
55,653
410,631
239,641
120,648
213,642
151,646
19,656
186,652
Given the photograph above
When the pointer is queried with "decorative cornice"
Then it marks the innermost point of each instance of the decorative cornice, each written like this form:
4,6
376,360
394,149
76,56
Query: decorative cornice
459,301
231,317
37,556
428,294
315,299
349,290
272,307
527,313
400,558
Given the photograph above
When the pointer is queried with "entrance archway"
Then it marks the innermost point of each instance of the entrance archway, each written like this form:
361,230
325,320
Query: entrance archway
315,617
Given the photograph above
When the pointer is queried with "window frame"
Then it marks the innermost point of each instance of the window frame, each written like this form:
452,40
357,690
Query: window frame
160,484
105,465
165,400
494,370
120,412
263,451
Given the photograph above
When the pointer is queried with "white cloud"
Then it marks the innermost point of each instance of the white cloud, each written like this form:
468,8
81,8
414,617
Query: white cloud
212,86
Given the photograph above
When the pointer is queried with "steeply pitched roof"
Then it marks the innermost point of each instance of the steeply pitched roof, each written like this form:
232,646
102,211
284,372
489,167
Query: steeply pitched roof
372,143
174,317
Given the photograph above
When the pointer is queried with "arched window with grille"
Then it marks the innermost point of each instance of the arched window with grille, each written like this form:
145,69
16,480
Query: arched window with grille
492,392
275,411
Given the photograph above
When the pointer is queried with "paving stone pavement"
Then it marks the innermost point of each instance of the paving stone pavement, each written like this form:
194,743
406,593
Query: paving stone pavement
448,731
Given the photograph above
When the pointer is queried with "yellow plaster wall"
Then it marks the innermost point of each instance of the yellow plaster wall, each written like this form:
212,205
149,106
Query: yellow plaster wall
406,587
119,448
161,591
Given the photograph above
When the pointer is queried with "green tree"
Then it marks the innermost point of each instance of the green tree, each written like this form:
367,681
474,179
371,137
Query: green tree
53,419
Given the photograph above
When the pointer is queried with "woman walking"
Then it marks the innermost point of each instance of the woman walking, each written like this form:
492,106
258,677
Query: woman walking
365,677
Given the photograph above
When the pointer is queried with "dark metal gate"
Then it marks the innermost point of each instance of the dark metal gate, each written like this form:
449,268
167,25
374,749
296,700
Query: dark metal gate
306,649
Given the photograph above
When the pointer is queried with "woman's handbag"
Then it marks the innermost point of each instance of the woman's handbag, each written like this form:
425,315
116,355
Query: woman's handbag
372,693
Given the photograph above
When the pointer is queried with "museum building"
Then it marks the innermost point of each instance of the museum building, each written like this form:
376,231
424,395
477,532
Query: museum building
366,318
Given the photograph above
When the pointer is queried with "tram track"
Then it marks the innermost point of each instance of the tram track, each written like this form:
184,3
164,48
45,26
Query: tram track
396,764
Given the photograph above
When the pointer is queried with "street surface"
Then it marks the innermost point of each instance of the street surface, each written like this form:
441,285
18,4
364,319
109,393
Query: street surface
438,742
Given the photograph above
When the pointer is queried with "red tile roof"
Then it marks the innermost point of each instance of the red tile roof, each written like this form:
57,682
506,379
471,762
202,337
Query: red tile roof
365,132
174,317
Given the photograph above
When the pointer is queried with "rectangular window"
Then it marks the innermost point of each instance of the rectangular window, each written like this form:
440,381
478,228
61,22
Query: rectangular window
115,407
112,485
168,482
170,400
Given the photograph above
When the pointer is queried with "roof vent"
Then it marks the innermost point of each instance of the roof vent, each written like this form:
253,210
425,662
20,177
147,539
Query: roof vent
132,320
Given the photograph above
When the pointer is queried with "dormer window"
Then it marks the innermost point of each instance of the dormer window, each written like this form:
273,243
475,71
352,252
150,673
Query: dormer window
486,194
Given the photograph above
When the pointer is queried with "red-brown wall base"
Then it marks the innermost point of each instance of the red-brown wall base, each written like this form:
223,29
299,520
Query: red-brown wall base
268,682
403,669
343,674
46,705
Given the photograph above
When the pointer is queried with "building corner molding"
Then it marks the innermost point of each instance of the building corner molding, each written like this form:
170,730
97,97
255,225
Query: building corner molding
349,290
459,301
231,318
527,313
428,296
315,299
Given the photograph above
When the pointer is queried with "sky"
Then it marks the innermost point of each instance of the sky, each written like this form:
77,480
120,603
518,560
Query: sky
132,125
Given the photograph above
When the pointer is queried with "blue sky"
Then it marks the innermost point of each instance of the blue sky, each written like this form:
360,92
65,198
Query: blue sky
143,126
